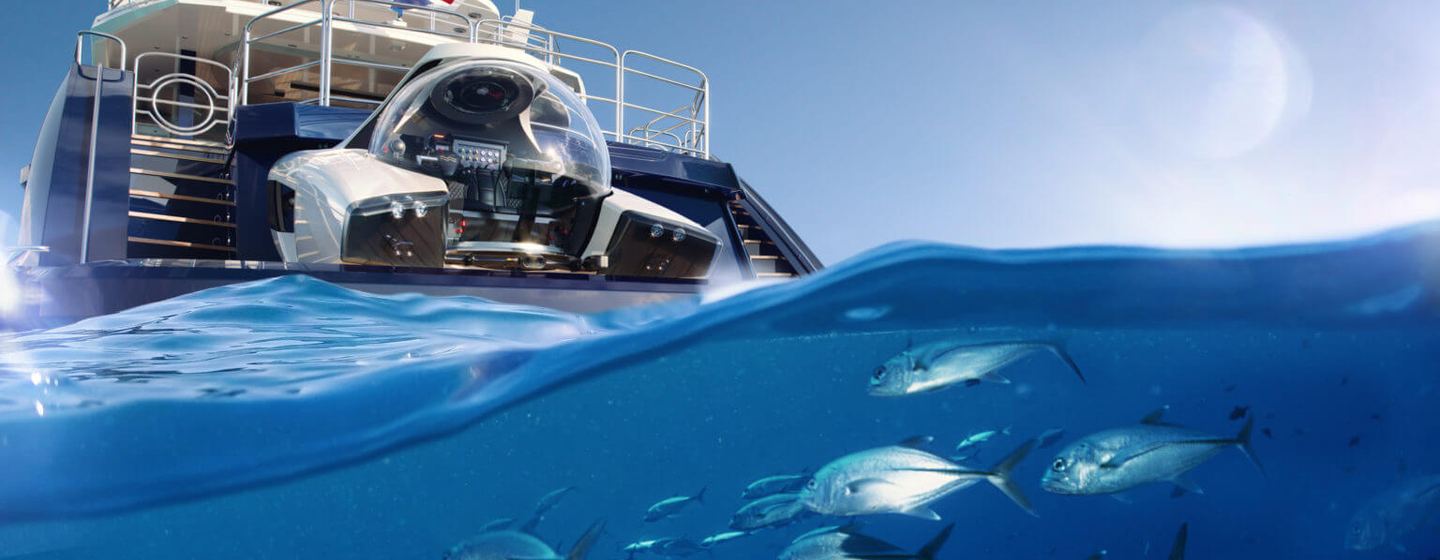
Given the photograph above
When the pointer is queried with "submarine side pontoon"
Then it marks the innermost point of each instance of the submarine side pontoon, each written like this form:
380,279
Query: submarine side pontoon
385,146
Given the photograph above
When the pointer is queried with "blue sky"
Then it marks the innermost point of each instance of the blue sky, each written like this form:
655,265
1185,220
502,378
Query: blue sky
1007,124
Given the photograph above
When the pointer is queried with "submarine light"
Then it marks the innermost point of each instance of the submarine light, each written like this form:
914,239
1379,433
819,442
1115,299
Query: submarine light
397,210
421,210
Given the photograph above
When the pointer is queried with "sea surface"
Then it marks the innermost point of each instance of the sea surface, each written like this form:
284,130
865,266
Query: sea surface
290,418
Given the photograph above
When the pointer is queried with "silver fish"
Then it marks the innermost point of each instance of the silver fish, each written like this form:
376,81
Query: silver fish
778,484
1123,458
718,538
969,446
508,545
845,543
775,510
677,547
1392,515
641,546
671,506
543,507
943,364
899,479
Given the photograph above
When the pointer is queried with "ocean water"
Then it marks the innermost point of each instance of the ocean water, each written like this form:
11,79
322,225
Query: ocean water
290,418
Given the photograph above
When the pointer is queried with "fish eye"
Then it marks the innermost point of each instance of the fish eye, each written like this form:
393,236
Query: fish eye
1059,464
813,484
879,373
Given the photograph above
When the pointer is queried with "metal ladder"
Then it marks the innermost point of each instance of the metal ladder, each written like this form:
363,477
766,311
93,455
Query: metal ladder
182,200
765,259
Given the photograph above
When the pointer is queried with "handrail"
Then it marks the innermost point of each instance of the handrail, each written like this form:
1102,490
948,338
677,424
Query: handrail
688,125
699,119
327,59
552,51
80,41
17,253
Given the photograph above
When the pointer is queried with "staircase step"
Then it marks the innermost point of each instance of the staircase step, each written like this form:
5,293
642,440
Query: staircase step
180,219
182,197
220,151
181,141
186,155
184,244
184,176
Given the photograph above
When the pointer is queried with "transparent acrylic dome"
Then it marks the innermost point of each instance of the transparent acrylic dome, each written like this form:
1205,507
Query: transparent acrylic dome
497,116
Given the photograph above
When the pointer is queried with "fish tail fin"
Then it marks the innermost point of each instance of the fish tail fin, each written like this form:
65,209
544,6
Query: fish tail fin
700,496
1058,348
1000,476
928,551
1242,441
1177,550
586,541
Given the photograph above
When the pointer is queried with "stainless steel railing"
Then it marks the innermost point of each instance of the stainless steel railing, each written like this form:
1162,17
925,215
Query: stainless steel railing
216,108
80,46
685,128
326,60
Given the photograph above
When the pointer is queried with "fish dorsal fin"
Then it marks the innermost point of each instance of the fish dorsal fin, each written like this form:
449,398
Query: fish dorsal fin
586,541
1177,550
916,442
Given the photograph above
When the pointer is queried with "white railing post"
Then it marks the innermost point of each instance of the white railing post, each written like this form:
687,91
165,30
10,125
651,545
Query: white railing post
705,131
245,66
326,26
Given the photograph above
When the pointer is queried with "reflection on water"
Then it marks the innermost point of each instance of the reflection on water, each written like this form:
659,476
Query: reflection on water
631,410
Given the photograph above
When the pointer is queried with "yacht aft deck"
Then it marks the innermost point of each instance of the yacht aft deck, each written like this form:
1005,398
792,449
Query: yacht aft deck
229,53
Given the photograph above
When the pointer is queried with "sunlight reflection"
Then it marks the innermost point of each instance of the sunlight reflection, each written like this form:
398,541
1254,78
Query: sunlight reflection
1217,81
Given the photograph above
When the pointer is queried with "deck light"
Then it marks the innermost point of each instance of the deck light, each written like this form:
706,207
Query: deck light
397,210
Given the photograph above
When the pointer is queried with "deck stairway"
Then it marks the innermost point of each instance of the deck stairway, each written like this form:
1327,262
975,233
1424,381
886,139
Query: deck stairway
182,201
765,259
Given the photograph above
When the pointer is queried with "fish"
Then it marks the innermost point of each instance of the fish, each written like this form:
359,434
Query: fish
677,547
969,446
944,364
776,510
511,545
903,480
543,507
844,543
1354,441
1119,459
718,538
640,546
497,524
1388,518
776,484
1239,412
1048,437
670,507
1177,549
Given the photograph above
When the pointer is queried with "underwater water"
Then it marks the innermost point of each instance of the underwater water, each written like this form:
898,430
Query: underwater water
290,418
